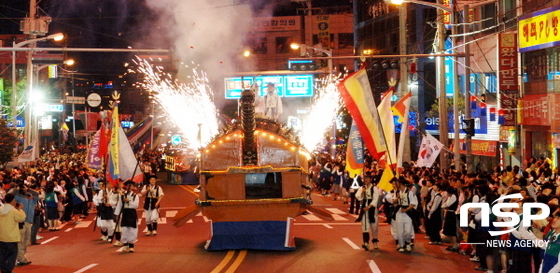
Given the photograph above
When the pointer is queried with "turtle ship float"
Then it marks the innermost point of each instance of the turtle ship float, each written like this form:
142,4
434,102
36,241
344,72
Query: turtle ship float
253,183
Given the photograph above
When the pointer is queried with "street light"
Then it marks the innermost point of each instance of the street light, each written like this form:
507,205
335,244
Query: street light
303,52
56,37
70,62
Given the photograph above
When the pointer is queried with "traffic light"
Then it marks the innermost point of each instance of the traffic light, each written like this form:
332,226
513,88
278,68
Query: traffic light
386,64
469,126
302,65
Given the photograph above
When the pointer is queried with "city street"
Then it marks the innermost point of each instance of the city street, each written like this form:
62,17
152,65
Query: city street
321,247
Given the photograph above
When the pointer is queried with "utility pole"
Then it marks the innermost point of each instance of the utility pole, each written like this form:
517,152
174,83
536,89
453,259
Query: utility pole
440,86
468,140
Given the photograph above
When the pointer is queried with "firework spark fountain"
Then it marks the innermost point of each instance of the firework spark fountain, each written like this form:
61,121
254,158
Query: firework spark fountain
187,105
321,115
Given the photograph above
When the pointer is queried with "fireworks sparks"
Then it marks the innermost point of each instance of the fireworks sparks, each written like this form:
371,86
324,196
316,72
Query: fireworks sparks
187,105
321,115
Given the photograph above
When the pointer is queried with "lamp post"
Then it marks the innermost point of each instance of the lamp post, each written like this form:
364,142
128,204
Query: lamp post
56,37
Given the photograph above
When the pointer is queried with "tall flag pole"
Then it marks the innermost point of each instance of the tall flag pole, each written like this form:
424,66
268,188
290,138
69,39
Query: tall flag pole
402,109
354,152
356,92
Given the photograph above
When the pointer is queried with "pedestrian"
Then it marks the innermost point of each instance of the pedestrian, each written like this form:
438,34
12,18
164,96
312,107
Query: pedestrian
154,195
104,202
406,201
368,195
129,218
11,216
29,200
78,201
450,219
51,204
434,213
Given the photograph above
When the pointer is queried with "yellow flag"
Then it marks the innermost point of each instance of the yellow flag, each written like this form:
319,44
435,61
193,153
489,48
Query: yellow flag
385,181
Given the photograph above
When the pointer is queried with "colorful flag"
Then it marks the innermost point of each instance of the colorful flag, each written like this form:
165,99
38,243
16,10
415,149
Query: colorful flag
388,127
354,152
429,150
122,162
358,98
400,108
385,181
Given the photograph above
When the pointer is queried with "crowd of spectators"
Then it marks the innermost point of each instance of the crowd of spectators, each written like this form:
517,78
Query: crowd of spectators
435,218
57,189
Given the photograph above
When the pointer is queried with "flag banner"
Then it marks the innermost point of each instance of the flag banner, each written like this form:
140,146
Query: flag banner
388,127
64,130
356,92
429,150
91,119
122,162
354,152
385,181
93,158
401,107
29,154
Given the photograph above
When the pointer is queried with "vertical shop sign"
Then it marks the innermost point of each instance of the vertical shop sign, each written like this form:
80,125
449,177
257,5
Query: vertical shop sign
507,77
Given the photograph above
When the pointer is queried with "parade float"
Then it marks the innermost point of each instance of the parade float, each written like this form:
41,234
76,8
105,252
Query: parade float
253,183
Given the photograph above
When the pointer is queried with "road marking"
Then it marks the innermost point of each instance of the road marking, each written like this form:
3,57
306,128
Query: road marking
311,217
85,268
83,224
354,246
171,213
327,226
224,262
237,261
336,211
48,240
337,217
373,266
67,230
205,219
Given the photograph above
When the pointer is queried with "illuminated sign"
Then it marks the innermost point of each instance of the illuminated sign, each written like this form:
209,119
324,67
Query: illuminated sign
127,124
234,86
286,85
176,139
539,29
298,86
54,108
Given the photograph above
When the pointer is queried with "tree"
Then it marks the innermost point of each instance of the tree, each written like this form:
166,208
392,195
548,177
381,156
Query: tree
8,139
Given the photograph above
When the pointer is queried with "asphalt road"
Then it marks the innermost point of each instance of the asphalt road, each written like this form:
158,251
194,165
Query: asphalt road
320,247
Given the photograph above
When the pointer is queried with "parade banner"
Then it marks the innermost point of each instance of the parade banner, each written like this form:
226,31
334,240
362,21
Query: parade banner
354,152
429,151
385,181
356,92
93,157
122,162
401,107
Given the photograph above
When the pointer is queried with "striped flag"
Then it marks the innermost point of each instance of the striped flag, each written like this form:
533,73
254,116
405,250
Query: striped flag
122,162
358,98
354,152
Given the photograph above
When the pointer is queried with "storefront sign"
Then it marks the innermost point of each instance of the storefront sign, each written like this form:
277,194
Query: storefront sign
508,76
534,110
481,147
539,29
279,23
